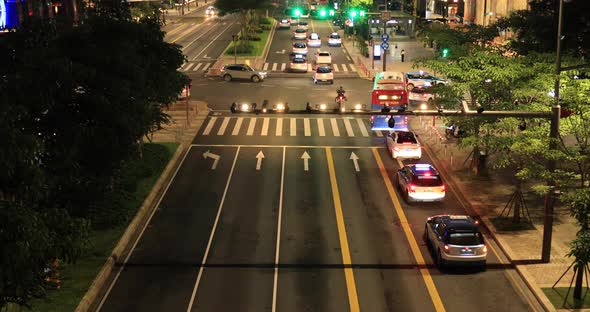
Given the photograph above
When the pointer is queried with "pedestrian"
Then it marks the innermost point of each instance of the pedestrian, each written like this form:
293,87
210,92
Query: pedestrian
403,54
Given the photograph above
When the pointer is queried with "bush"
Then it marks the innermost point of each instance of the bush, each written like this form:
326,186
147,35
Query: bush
244,47
265,21
250,38
265,27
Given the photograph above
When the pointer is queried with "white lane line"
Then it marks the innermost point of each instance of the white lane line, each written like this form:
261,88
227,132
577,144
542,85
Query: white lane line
336,68
363,128
352,68
334,127
149,220
188,67
283,66
293,126
212,41
321,129
197,67
279,130
344,68
265,67
202,266
209,126
278,244
237,126
274,66
379,133
223,126
206,66
306,127
184,33
348,127
265,123
251,126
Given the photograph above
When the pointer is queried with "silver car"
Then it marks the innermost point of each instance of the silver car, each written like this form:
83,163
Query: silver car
455,239
241,71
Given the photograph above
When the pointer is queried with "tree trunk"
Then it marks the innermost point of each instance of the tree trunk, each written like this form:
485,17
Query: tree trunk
580,266
517,202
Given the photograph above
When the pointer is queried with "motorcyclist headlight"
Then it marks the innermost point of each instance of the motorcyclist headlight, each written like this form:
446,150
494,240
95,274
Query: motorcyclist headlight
280,106
245,107
383,97
358,106
323,106
423,106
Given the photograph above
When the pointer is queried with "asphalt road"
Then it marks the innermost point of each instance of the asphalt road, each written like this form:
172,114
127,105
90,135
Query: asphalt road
317,237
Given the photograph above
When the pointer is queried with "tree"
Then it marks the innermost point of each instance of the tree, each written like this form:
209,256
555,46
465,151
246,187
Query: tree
579,203
245,9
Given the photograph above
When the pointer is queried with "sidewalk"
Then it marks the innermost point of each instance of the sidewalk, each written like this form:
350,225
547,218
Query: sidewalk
184,122
488,195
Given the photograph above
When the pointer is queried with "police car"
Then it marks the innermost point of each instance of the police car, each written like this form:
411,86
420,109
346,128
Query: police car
420,183
334,40
403,144
455,239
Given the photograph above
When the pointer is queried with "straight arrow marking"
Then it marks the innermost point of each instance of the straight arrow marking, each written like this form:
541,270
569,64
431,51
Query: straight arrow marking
355,160
259,157
215,158
306,159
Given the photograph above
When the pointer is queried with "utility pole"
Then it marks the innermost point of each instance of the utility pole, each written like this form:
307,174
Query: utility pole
384,52
233,38
550,197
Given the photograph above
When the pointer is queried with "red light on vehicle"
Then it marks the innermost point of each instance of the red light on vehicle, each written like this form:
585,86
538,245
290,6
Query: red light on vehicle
427,174
485,249
412,188
447,248
442,187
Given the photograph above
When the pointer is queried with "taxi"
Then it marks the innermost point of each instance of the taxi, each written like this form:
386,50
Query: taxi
455,239
403,144
298,64
300,48
334,40
420,183
323,73
300,34
314,40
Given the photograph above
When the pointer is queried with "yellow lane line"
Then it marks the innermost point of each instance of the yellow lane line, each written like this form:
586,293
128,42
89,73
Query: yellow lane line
348,272
434,296
186,32
176,29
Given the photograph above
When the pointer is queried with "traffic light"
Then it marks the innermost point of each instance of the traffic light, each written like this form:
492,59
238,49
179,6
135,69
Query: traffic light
445,52
297,12
352,13
323,13
362,13
331,12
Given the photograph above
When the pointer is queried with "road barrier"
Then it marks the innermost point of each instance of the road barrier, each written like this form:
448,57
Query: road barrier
362,67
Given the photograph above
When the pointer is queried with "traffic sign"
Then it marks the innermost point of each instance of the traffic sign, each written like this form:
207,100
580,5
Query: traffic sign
385,45
385,37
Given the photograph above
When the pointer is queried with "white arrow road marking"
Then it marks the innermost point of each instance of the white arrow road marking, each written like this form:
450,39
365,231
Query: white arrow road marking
259,157
214,156
355,160
306,159
206,56
281,52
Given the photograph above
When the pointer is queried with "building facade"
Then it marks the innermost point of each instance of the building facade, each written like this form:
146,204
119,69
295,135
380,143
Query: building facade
482,12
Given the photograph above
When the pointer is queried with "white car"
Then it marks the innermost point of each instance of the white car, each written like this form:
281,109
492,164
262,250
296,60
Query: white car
420,183
455,239
323,57
211,10
403,144
314,40
334,40
300,34
422,78
323,73
285,23
298,64
303,25
300,48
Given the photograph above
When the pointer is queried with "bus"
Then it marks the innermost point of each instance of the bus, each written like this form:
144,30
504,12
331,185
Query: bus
389,91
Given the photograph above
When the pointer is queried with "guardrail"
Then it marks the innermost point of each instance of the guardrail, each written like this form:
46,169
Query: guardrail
362,67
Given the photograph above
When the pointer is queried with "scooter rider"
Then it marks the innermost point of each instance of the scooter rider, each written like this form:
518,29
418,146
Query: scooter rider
340,91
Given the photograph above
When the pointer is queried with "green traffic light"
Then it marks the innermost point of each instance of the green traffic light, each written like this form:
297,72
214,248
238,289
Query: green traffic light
352,13
323,13
445,52
331,12
297,12
362,13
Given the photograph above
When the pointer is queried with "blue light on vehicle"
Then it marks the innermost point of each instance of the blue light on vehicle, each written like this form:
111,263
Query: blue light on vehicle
422,167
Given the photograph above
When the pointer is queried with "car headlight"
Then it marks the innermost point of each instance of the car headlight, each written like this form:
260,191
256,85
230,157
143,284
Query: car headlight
383,97
358,106
423,106
323,106
245,107
280,106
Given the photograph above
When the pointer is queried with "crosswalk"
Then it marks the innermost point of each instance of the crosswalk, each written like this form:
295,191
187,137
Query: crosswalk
290,127
283,66
195,66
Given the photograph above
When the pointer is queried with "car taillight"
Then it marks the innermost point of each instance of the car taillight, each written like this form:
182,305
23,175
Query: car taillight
396,149
447,248
222,70
412,188
485,249
292,64
442,187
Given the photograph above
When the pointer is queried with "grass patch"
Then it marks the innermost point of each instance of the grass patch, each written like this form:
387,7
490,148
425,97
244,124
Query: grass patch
506,224
557,295
257,46
77,277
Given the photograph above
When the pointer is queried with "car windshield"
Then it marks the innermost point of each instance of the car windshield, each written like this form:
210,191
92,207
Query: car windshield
406,137
301,31
299,60
324,54
324,70
335,36
314,37
465,239
303,23
299,45
427,180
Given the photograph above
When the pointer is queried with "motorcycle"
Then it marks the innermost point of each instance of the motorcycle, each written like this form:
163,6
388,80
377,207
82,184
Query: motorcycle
341,100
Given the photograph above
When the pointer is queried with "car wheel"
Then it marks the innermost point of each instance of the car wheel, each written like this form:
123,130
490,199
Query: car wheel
331,81
440,262
407,198
315,81
255,78
227,77
410,86
425,236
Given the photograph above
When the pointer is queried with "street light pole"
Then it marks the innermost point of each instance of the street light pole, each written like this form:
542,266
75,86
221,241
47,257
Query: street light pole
550,197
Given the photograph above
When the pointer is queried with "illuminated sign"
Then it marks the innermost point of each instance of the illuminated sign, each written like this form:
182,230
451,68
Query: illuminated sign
3,14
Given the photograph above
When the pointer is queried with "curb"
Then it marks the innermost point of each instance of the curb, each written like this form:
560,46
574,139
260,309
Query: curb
100,284
522,272
269,40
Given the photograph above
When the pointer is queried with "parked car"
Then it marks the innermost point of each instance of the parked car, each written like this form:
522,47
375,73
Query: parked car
241,71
